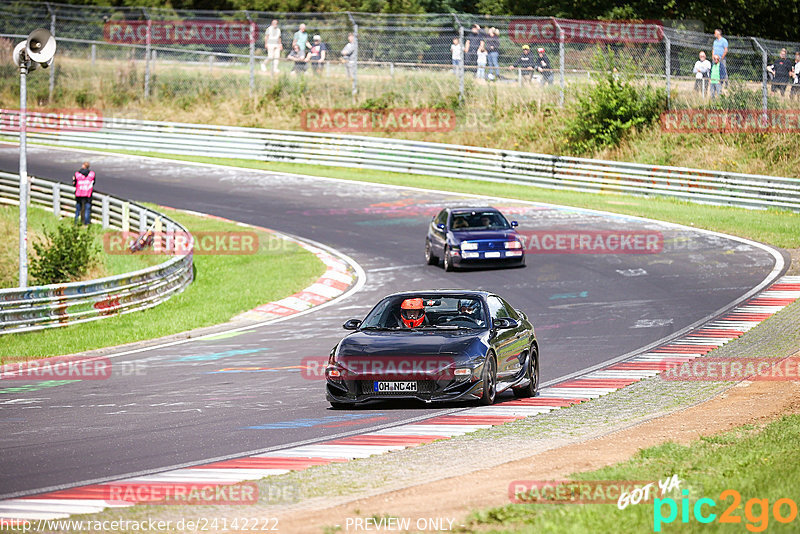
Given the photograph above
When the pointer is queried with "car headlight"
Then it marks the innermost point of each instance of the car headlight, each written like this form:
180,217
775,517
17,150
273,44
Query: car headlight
513,244
466,245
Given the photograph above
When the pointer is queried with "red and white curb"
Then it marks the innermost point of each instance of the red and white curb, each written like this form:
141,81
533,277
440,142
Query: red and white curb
704,339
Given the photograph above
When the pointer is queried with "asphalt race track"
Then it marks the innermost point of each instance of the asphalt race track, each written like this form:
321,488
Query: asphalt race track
587,309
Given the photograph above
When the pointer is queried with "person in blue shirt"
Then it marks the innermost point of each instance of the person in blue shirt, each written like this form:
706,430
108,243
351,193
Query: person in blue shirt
721,49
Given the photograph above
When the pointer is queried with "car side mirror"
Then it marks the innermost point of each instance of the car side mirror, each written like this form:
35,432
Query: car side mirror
352,324
504,323
440,226
514,224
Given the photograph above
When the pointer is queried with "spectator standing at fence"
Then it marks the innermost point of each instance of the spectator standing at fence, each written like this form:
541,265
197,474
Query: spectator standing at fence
272,43
483,58
298,59
544,67
702,69
473,41
781,71
456,55
715,77
493,48
795,76
83,180
317,54
301,39
720,48
349,55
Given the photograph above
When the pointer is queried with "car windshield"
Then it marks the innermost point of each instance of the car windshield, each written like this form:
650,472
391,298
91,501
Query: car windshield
438,312
479,220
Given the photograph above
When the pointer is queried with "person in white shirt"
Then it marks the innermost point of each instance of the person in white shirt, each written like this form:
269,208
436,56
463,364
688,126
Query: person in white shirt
482,58
702,69
795,90
457,55
272,42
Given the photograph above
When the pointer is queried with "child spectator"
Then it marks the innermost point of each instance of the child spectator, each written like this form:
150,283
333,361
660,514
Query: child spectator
716,81
483,57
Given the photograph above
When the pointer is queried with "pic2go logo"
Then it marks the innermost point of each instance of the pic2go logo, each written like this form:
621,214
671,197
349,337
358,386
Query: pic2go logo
756,511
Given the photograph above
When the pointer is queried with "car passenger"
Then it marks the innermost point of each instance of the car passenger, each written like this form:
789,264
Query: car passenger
460,222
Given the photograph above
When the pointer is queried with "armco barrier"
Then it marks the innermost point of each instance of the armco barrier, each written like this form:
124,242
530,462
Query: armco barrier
34,308
453,161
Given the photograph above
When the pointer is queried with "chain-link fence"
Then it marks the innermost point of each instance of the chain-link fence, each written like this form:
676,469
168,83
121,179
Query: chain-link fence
379,61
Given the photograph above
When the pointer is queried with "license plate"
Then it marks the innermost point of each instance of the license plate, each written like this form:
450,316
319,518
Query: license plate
394,387
492,255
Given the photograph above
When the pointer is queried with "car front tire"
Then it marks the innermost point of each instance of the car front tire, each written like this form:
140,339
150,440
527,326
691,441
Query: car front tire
430,257
448,262
532,373
489,381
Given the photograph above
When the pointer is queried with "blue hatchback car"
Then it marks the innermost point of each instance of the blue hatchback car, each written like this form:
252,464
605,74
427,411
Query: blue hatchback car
470,236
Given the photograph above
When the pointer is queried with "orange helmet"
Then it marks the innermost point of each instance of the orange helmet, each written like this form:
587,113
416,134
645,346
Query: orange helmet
412,312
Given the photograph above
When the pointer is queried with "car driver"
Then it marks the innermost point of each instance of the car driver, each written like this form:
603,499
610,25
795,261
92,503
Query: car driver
412,312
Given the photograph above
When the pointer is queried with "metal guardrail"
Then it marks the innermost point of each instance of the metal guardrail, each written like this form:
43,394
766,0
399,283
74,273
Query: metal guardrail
452,161
35,308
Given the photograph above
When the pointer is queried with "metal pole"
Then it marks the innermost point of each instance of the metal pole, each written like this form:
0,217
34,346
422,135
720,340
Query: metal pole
667,66
23,175
560,61
355,52
463,59
355,60
52,85
148,43
764,61
252,53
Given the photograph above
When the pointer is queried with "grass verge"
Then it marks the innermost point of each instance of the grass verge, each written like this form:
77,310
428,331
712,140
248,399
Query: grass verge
761,460
776,227
40,220
234,283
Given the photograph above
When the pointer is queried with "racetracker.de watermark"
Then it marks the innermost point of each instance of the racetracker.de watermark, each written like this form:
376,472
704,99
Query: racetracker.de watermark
180,243
735,370
424,120
59,367
546,31
381,368
52,120
580,491
592,241
731,121
183,493
180,32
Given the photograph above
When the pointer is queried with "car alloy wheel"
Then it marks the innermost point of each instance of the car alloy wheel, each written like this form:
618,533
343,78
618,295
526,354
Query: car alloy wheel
430,259
489,381
532,373
448,262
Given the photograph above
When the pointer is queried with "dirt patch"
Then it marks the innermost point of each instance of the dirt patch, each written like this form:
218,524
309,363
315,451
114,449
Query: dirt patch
794,267
455,497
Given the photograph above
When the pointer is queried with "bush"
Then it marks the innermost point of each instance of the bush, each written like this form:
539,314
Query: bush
64,255
612,107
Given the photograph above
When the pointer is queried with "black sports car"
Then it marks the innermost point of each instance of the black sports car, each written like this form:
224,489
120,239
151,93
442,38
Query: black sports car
473,236
442,345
